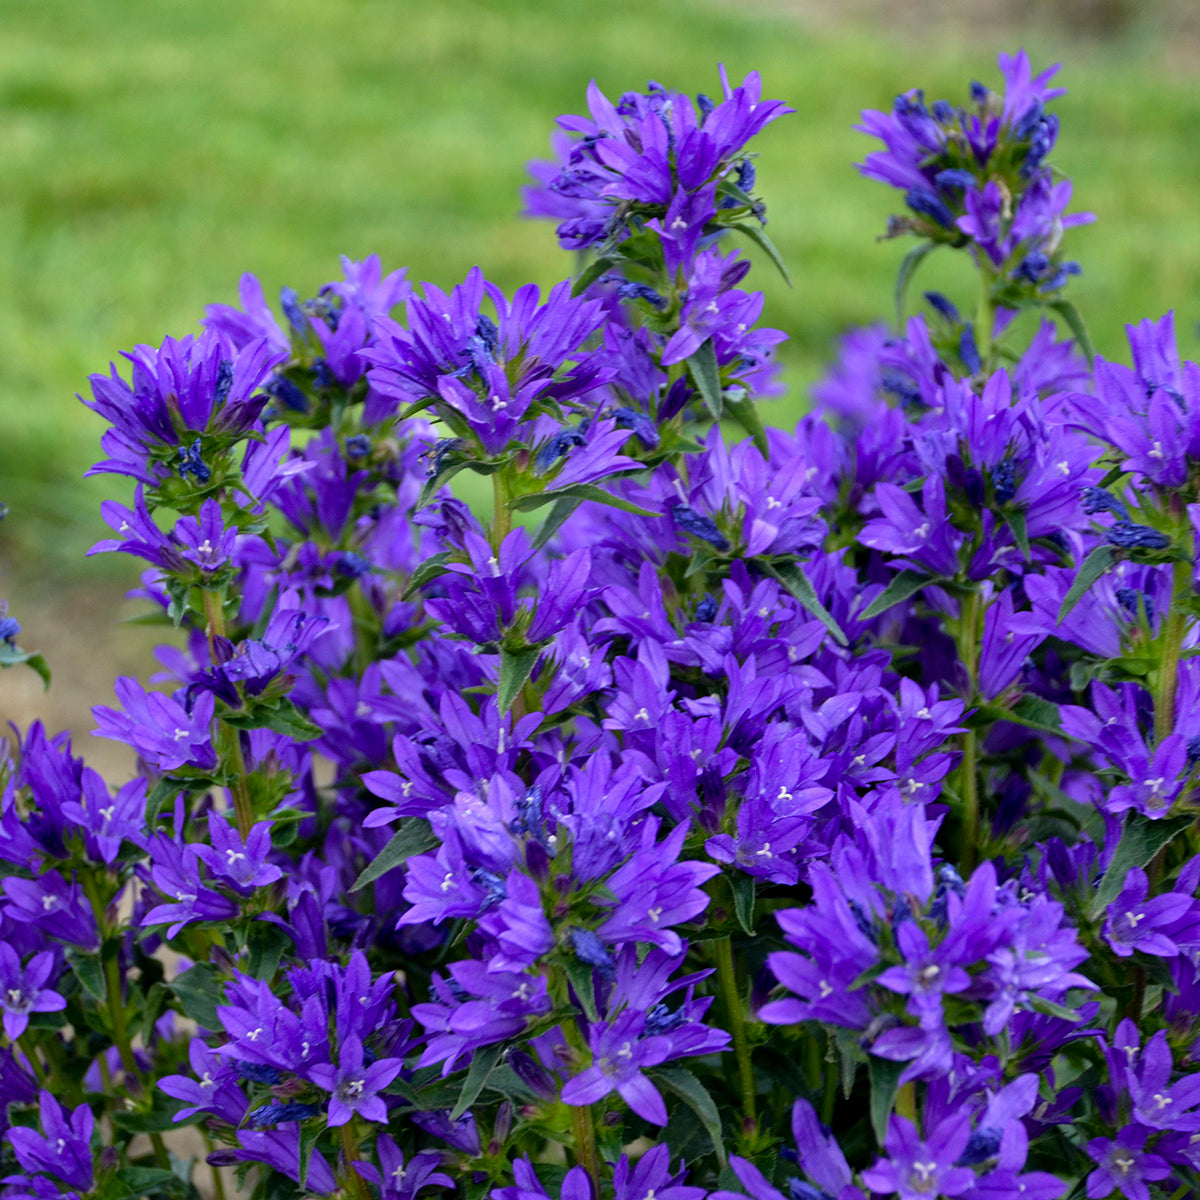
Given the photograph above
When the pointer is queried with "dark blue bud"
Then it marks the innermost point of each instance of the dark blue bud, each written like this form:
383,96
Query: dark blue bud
924,202
798,1190
698,525
903,389
1132,599
954,177
943,112
706,610
533,1075
277,1113
258,1072
968,351
529,818
1004,482
488,334
1193,751
678,394
289,301
943,305
591,950
492,884
557,446
9,628
979,93
1033,267
660,1019
190,463
322,376
1062,273
1130,536
641,291
983,1144
746,175
438,453
224,382
287,393
1096,500
705,105
1029,120
352,565
642,426
358,445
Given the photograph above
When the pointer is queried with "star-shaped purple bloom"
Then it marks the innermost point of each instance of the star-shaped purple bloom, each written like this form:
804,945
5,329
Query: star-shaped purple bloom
353,1086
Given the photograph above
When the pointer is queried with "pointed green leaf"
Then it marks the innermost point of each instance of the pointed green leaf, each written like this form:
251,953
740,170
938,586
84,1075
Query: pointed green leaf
798,584
564,506
583,981
199,992
706,375
1092,568
515,667
696,1096
1033,712
483,1062
591,273
742,886
885,1083
759,237
413,837
908,268
745,413
87,969
1016,522
907,583
309,1132
1140,841
431,568
579,491
1074,319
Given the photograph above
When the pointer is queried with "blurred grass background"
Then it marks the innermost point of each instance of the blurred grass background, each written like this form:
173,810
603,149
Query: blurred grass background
153,151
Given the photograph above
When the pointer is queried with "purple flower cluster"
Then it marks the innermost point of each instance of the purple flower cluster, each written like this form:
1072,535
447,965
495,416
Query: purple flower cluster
834,786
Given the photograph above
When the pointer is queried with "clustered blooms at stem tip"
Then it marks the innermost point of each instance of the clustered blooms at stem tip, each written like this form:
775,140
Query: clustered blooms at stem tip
810,814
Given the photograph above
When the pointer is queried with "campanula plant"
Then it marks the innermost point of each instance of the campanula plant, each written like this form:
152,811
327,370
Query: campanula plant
807,814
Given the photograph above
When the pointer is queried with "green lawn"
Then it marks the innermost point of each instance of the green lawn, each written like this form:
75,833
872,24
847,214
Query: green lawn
153,151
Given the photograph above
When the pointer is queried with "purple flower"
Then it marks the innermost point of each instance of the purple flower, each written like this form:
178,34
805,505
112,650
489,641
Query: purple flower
399,1179
241,865
355,1087
1136,923
1124,1165
24,991
619,1055
214,1088
159,728
63,1149
915,1169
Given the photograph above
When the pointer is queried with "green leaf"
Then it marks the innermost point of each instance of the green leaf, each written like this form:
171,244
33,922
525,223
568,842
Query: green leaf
199,992
885,1083
265,944
582,979
696,1096
159,1118
564,506
1016,522
87,969
309,1132
745,412
797,583
1042,1005
1092,568
1033,712
147,1180
515,667
908,268
1074,319
431,568
591,273
413,837
759,237
1087,816
285,718
706,375
907,583
579,491
483,1061
1140,841
742,886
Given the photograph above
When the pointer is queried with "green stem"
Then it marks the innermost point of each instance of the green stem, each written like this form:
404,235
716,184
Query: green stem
502,516
32,1059
732,997
214,612
1174,628
984,320
356,1185
968,648
586,1154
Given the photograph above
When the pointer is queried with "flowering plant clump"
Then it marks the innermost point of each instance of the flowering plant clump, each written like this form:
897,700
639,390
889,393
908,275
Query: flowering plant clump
810,813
